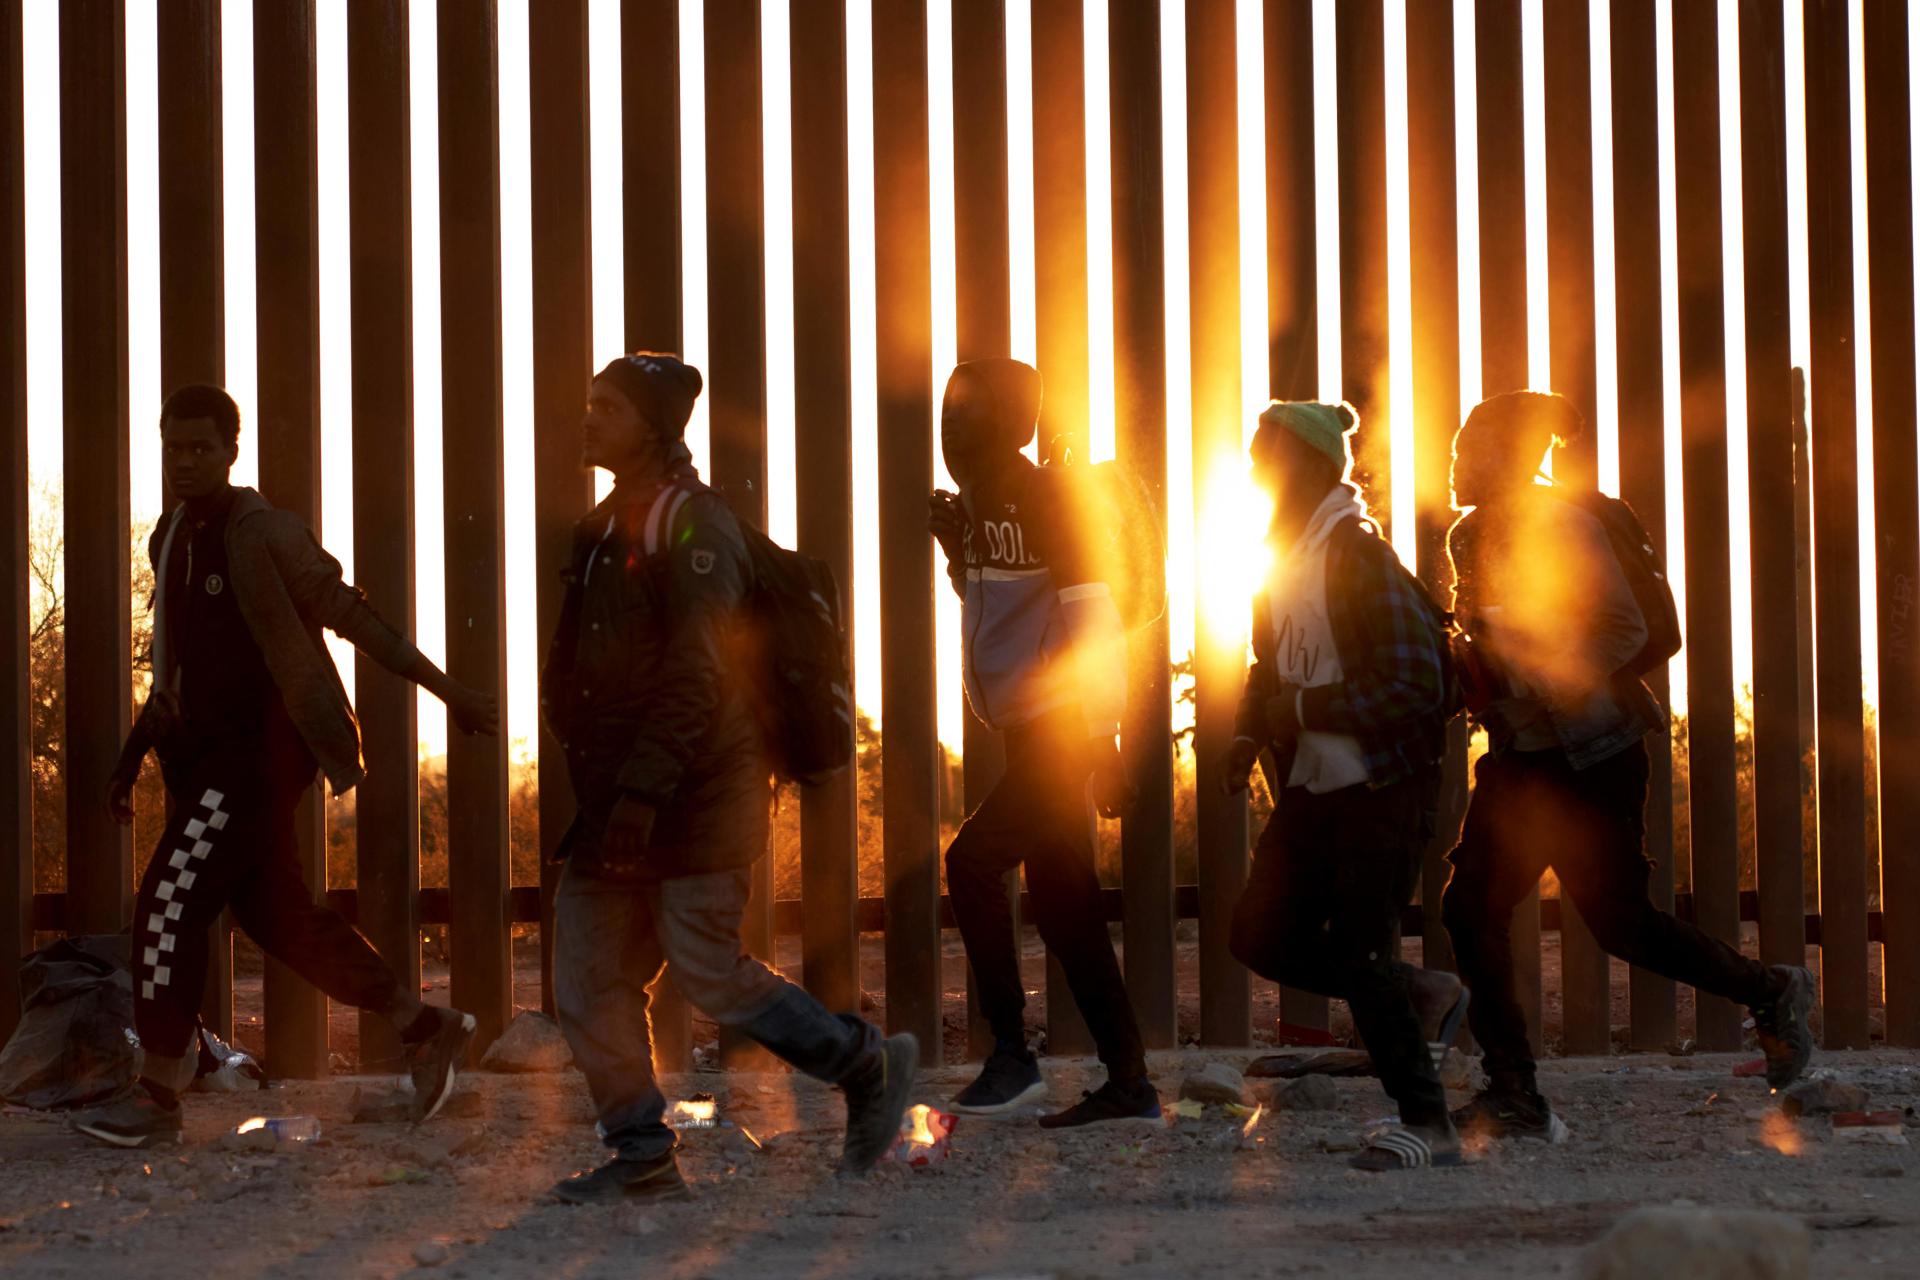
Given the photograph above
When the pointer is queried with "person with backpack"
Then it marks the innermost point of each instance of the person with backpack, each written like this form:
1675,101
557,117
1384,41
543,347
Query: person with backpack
246,709
1350,692
1044,653
648,691
1564,607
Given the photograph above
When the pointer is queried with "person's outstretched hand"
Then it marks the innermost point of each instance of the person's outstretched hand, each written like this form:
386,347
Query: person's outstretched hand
947,522
473,711
120,796
1112,792
1236,771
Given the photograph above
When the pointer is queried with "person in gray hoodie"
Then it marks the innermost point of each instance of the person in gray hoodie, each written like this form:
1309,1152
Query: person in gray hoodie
246,707
1044,652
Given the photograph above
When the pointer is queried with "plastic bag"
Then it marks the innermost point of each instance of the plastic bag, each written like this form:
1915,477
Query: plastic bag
74,1045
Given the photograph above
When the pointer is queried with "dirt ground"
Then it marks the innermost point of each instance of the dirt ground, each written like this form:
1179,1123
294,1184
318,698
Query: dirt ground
1012,1200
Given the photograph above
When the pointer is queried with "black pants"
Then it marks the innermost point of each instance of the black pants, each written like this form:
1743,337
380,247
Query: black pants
231,842
1532,810
1038,814
1331,874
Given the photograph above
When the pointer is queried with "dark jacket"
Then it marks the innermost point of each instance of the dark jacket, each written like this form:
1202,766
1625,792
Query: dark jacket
643,686
1538,588
289,589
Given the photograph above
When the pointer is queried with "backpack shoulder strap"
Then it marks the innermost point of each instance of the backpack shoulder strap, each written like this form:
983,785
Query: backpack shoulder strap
657,533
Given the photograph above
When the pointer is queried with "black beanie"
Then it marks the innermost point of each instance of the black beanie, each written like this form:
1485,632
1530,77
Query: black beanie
660,387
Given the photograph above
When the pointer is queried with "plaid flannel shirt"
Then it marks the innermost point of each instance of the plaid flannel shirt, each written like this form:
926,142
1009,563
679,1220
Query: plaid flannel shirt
1393,696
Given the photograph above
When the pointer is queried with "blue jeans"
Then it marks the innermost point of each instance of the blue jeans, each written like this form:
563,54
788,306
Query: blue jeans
612,939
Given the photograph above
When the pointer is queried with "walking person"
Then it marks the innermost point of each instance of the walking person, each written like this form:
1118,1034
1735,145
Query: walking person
246,707
1557,636
1044,653
645,691
1350,690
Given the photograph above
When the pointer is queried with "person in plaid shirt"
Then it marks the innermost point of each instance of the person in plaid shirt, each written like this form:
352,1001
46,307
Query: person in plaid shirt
1351,691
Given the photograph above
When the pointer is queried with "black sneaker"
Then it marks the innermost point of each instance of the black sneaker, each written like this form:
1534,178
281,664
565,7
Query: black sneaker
877,1102
1507,1114
1131,1100
1782,1026
137,1120
1008,1079
433,1060
621,1179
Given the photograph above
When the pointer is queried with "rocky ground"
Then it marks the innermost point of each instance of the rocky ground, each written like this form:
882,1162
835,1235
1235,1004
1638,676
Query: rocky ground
467,1196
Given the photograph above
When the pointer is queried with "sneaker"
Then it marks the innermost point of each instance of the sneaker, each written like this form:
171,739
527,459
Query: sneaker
433,1061
877,1103
622,1179
1133,1100
137,1120
1781,1025
1008,1079
1506,1114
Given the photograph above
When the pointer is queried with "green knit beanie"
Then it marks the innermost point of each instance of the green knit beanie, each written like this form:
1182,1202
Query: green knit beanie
1321,426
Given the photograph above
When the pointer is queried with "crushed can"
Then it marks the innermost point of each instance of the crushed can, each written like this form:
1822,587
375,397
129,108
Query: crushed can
924,1135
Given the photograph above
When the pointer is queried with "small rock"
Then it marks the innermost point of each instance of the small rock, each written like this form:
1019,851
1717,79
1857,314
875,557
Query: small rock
531,1042
635,1223
1879,1171
1217,1082
1823,1097
431,1253
1341,1142
1308,1093
1702,1244
1031,1211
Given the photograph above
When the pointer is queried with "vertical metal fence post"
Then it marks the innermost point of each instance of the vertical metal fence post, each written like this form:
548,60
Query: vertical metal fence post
1643,455
1140,438
287,268
560,150
1777,789
823,471
16,759
1434,249
1293,278
1219,663
1500,114
380,266
1834,433
1585,986
903,277
1703,428
473,471
1896,516
93,314
736,376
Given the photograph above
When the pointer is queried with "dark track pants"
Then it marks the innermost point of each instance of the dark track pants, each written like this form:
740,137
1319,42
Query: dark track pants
231,843
1331,874
1039,815
1532,810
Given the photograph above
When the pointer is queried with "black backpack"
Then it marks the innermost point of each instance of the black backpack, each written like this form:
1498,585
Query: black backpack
1111,502
795,647
1646,574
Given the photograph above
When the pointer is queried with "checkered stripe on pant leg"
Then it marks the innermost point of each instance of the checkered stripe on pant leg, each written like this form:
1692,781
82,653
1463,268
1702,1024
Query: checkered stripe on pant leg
173,893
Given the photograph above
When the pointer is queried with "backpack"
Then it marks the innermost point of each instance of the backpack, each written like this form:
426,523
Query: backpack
794,648
1113,507
1645,571
1453,696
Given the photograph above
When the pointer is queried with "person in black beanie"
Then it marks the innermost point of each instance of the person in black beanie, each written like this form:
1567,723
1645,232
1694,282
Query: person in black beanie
667,760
